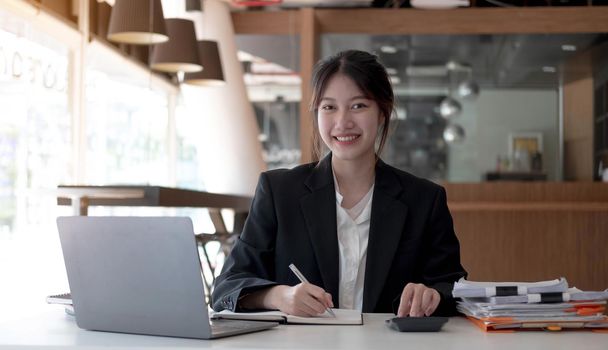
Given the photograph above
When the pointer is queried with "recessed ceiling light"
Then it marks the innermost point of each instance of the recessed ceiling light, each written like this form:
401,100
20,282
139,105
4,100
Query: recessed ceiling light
568,47
438,4
549,69
391,71
388,49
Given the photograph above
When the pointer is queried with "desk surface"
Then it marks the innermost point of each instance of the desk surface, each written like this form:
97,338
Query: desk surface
52,328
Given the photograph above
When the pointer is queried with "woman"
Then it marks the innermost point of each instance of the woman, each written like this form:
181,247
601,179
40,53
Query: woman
366,235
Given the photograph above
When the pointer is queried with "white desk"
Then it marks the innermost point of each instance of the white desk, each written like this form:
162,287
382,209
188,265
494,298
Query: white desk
52,328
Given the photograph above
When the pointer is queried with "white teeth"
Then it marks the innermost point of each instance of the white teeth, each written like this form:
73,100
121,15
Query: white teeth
346,138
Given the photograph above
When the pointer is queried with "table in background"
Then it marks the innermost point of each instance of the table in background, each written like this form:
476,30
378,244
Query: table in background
82,197
52,328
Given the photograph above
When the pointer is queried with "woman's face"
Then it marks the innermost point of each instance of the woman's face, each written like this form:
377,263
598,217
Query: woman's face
348,121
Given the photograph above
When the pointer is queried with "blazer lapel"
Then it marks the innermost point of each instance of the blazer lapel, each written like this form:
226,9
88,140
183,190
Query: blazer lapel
386,226
319,209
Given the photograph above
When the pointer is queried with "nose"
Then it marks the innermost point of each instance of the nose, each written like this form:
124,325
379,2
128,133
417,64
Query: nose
344,120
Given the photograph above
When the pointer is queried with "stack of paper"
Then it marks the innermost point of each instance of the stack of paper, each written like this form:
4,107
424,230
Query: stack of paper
544,305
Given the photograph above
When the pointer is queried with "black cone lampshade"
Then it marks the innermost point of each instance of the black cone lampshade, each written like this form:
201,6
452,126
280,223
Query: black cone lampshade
180,53
212,73
138,22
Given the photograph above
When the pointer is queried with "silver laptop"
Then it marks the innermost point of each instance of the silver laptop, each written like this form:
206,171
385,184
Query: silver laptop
140,275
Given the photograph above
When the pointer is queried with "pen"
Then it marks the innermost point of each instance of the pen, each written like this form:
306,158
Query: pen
303,279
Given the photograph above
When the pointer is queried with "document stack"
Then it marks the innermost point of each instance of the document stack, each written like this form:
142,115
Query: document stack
549,305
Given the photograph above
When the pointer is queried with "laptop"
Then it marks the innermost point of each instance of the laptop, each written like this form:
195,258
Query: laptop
140,275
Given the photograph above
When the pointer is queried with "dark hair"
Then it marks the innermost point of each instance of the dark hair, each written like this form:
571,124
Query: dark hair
369,75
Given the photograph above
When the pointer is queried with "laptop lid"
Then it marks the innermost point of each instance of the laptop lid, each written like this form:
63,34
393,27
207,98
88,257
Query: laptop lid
135,275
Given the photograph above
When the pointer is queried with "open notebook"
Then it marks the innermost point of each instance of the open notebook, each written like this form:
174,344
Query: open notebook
343,317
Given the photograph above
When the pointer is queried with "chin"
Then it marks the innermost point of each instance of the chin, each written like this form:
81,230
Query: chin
349,154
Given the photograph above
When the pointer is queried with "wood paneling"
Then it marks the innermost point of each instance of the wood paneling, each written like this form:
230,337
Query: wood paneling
527,192
61,8
411,21
465,21
309,54
525,246
533,231
275,22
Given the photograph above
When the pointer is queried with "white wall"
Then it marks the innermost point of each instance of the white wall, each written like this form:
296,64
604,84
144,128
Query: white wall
230,153
488,122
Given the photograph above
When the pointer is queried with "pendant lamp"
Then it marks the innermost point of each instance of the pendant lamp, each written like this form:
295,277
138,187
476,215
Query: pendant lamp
180,53
212,73
139,22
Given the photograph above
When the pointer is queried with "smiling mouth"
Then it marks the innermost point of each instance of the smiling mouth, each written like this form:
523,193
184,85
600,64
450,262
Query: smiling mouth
346,138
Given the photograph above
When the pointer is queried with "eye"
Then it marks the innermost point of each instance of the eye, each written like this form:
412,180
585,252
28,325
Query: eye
327,107
359,105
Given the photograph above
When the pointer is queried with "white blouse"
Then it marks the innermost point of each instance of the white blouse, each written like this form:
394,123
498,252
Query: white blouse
353,234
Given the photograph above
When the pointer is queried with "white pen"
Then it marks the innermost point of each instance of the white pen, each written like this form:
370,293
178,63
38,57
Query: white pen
303,279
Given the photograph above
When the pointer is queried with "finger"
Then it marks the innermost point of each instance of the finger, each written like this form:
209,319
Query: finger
405,302
434,303
328,299
319,294
416,301
427,298
306,310
314,304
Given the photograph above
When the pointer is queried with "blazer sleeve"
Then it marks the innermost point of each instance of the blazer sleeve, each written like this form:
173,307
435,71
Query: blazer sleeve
442,255
250,265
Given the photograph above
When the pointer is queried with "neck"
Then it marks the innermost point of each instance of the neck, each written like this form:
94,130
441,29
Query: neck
354,174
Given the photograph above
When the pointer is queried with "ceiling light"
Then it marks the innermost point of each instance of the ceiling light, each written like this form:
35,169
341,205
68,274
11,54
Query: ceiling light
453,133
568,47
391,71
388,49
180,53
130,22
401,113
468,89
438,4
549,69
212,73
449,107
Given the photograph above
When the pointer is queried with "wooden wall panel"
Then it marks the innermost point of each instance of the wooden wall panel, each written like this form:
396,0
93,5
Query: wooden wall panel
465,21
266,22
512,231
527,192
528,246
309,54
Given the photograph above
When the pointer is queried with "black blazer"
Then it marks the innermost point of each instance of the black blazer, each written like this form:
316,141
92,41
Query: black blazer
293,220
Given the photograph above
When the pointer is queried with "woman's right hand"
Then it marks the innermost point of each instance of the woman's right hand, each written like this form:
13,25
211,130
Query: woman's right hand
304,299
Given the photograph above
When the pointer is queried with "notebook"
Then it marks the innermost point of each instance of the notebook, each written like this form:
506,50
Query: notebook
343,317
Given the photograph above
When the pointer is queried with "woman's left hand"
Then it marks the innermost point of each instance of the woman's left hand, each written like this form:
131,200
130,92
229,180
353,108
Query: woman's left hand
418,300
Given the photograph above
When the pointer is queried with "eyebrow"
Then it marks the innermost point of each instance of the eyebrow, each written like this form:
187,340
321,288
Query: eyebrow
352,98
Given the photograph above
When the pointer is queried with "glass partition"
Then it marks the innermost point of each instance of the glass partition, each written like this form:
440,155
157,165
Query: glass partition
472,107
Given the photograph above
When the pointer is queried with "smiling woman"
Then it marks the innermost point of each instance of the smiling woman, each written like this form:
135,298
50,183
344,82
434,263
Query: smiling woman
367,236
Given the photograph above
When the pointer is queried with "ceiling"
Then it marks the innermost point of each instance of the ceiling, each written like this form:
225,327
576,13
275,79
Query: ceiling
505,61
496,61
